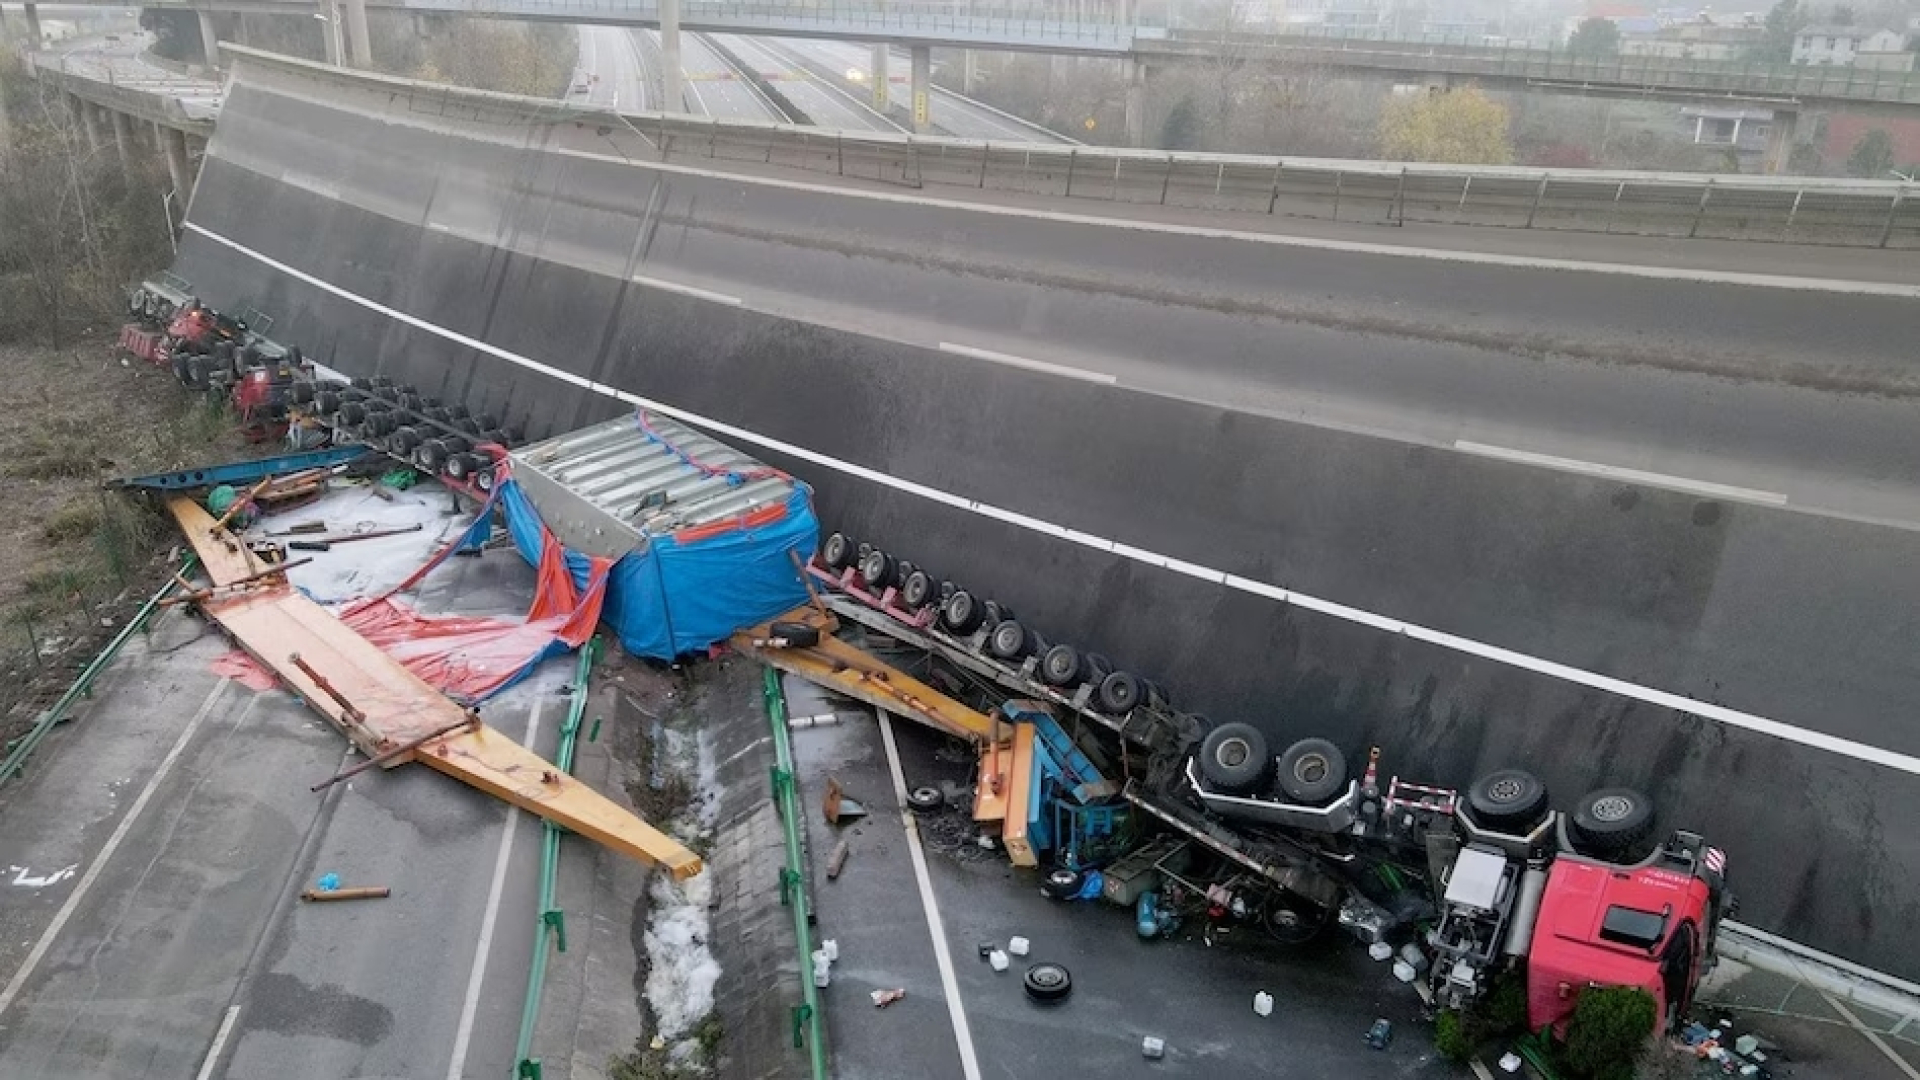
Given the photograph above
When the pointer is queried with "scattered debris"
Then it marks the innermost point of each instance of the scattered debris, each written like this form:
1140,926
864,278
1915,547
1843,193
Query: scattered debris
1262,1003
788,635
1046,982
1510,1062
838,807
1380,1035
350,892
1153,1048
884,998
998,958
838,860
923,800
1018,946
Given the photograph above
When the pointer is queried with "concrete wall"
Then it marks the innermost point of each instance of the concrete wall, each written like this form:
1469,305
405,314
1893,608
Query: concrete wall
1798,616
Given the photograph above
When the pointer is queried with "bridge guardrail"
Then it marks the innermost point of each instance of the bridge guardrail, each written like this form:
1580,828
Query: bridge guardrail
1856,213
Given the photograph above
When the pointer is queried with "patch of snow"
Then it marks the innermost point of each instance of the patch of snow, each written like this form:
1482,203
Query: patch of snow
681,969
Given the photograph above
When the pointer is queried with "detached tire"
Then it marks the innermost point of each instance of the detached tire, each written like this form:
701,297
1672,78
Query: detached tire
1062,884
1312,771
961,614
1611,820
1234,757
797,635
1119,693
1510,800
923,800
837,552
1047,982
1061,666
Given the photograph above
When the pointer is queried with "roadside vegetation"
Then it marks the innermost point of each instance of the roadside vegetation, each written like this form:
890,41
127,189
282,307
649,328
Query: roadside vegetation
535,59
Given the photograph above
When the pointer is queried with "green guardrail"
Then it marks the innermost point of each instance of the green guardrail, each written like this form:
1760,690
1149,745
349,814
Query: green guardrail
809,1023
552,927
19,749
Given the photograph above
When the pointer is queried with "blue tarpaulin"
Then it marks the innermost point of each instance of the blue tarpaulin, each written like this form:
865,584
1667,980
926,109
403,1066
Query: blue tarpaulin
681,592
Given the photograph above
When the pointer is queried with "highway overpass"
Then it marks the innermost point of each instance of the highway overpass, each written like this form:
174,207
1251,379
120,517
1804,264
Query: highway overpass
1116,29
1628,509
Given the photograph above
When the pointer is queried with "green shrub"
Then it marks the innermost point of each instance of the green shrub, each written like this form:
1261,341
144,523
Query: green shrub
1609,1031
1451,1036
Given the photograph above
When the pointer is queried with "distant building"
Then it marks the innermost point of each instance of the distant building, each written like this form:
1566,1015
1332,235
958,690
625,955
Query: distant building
1884,50
1702,37
1835,45
1742,129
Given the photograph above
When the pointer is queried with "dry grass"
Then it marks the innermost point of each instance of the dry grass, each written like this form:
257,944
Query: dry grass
80,557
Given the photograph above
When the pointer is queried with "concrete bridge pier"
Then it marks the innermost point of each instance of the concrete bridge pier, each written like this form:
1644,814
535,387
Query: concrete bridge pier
922,89
1779,155
122,135
330,33
209,39
1134,73
359,40
969,70
179,171
33,27
670,73
880,87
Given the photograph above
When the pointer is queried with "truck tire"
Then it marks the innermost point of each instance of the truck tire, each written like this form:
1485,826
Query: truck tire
1291,922
1609,821
401,443
925,800
1510,800
351,413
961,613
431,455
878,570
1312,771
483,478
1047,982
197,372
1119,693
326,401
916,590
1061,666
1062,884
947,589
1234,757
1098,667
461,465
837,552
1010,641
302,391
456,413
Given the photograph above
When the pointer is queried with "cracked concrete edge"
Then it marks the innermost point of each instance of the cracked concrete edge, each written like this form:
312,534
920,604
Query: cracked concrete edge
1843,980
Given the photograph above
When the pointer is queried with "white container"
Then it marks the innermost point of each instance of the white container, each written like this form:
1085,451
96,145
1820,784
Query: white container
822,974
1262,1003
831,948
820,958
1404,971
1018,946
1411,954
998,958
1380,950
1153,1049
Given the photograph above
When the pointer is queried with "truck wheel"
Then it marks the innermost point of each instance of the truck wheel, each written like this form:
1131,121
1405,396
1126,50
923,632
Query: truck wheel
326,401
916,590
923,800
196,372
1061,666
1312,771
995,613
947,589
837,552
401,443
1098,667
1119,693
961,614
1010,641
1610,820
430,455
877,570
351,413
1510,800
1290,921
1047,982
1234,757
460,466
483,479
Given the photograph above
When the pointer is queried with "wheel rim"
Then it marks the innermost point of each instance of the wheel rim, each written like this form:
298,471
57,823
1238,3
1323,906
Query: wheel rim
1059,666
1311,768
1006,639
1233,753
1612,808
1505,790
1048,978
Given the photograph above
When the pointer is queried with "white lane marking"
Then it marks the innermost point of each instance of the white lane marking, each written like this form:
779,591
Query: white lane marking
1868,1034
942,956
686,290
1850,748
1011,360
113,843
470,1007
1352,247
219,1043
1615,472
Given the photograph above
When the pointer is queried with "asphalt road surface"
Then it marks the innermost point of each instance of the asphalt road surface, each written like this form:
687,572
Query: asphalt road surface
952,113
164,835
826,104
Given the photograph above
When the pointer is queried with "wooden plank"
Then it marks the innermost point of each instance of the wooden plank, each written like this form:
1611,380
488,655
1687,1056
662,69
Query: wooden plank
224,555
842,668
990,793
398,707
